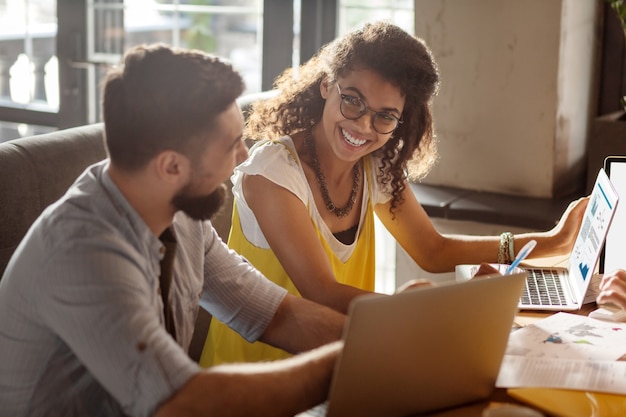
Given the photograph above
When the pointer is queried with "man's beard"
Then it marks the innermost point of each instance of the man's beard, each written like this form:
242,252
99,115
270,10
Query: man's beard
200,207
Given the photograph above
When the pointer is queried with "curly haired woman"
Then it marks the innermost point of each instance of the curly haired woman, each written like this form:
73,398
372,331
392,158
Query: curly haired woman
339,143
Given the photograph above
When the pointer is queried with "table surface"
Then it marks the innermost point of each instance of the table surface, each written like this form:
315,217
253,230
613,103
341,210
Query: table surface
499,395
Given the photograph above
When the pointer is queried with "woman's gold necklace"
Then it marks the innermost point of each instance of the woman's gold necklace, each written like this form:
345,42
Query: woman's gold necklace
321,180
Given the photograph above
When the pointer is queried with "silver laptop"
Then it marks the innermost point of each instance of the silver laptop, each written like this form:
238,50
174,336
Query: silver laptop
565,289
423,349
612,256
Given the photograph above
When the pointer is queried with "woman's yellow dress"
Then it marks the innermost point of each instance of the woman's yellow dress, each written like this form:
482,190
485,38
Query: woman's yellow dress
223,345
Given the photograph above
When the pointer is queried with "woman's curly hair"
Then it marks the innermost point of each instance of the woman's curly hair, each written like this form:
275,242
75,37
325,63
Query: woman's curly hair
401,59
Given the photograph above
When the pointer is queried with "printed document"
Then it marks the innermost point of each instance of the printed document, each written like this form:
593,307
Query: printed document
566,351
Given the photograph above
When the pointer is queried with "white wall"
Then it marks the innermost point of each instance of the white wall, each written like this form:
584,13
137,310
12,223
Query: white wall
513,111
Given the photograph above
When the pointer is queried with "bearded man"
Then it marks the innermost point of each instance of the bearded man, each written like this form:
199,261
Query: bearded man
99,301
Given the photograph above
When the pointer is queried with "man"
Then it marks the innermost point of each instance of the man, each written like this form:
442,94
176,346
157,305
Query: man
84,315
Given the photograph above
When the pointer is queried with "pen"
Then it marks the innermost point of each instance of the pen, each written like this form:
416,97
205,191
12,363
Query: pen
521,255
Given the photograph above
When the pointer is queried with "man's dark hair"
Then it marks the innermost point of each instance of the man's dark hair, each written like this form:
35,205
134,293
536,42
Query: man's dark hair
164,98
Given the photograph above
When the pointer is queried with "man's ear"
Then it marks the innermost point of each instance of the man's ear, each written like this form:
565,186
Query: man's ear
172,166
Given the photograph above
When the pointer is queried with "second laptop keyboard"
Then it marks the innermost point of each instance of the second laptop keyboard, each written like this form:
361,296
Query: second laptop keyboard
543,287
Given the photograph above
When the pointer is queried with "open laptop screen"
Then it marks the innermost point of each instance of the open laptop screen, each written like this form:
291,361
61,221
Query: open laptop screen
593,230
614,253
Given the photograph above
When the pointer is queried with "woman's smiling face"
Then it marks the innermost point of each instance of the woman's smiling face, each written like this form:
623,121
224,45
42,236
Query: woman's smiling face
352,139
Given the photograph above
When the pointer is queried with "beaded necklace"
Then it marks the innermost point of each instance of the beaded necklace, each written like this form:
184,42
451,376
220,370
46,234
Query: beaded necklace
321,180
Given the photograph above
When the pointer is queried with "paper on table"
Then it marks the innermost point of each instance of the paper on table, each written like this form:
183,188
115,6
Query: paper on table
569,336
596,376
566,351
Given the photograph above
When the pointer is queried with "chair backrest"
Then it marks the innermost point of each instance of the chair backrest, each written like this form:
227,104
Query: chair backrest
35,172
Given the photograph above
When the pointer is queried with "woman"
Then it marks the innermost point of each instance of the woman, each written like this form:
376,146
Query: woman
338,142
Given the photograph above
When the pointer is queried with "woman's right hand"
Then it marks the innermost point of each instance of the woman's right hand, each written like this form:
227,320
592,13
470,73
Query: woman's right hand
565,232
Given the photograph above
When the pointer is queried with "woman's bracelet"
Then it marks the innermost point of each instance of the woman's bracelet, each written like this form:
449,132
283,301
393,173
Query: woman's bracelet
506,252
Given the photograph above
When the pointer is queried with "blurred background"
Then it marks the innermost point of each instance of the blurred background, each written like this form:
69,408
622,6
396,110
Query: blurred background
53,54
531,100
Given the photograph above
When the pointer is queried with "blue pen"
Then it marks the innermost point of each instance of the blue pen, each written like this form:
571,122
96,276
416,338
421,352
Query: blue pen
521,255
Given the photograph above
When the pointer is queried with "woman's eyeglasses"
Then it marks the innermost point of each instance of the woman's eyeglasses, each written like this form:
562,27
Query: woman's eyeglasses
353,107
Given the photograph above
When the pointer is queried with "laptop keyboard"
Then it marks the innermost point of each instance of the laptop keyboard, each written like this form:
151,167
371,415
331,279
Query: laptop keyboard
543,287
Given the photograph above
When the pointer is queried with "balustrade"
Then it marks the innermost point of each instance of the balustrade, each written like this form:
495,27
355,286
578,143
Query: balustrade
25,63
23,70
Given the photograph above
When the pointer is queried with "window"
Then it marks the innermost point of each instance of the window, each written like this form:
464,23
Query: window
53,54
29,90
354,13
233,31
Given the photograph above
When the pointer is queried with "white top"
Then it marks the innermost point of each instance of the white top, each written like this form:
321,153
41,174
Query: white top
278,162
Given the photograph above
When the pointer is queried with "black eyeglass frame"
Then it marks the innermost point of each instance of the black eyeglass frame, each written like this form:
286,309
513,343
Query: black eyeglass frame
364,109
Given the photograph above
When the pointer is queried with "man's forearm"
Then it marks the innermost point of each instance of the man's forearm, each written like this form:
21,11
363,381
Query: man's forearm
280,388
300,325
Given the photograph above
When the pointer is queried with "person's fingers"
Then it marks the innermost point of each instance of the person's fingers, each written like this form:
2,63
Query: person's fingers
615,279
415,283
486,269
612,297
613,289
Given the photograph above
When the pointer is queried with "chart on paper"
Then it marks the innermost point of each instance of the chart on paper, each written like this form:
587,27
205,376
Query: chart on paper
566,351
569,336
